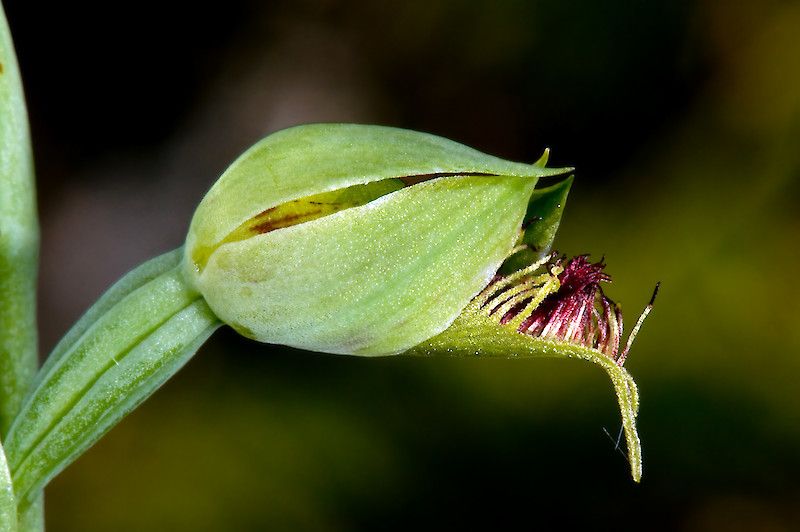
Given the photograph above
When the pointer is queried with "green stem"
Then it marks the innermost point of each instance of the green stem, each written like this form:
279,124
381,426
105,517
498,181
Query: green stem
139,334
19,238
8,503
32,518
19,250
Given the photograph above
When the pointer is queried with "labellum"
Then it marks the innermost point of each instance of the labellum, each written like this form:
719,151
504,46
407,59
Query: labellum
551,308
578,312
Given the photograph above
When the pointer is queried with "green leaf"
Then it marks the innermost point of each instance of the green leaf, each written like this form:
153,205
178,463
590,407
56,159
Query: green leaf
137,336
131,282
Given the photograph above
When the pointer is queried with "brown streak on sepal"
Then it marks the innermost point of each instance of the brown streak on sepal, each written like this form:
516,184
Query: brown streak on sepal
410,180
285,221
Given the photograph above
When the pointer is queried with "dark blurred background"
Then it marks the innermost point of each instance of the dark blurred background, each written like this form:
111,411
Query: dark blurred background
683,120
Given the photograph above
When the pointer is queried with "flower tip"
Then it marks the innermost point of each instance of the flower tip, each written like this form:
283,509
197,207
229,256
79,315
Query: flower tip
542,161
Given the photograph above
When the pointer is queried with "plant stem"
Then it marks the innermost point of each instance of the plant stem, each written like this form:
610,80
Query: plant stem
19,255
139,334
19,239
31,518
8,504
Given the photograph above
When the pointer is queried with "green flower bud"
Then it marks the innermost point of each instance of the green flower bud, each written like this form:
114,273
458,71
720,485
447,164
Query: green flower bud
355,239
346,239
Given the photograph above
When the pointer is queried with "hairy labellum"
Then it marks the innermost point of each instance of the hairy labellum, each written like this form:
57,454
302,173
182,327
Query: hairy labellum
550,307
577,312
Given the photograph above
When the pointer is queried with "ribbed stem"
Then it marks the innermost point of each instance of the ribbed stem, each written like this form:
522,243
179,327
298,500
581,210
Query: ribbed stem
8,504
19,238
19,255
142,331
31,519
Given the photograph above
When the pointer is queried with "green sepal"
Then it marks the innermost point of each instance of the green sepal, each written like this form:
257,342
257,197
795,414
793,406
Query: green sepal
540,225
477,334
299,211
375,279
544,216
311,159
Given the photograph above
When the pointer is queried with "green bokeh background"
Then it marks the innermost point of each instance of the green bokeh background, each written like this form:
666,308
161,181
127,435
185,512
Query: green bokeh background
683,120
